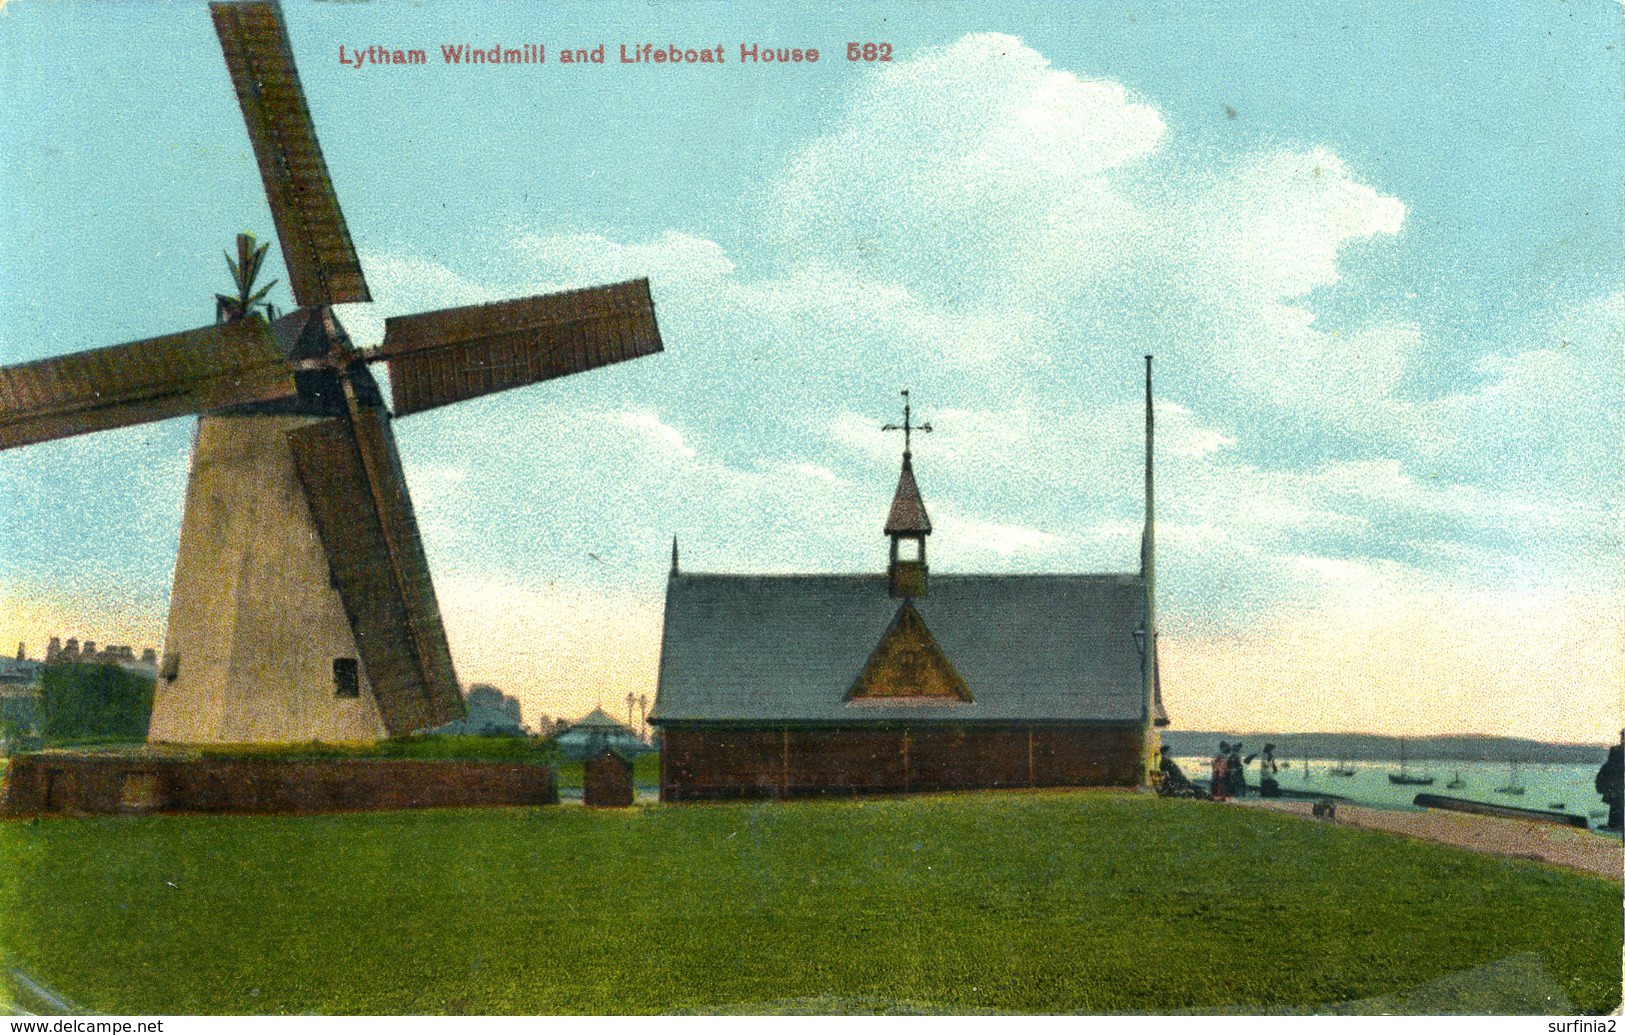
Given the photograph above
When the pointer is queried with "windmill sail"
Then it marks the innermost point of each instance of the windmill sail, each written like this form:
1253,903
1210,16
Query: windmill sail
154,379
322,264
352,478
450,355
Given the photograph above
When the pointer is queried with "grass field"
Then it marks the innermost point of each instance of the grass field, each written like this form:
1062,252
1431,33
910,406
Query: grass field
1030,902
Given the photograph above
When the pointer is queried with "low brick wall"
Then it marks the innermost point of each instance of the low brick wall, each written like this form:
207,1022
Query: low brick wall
51,784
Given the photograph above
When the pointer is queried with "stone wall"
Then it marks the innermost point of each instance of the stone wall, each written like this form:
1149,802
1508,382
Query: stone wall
62,784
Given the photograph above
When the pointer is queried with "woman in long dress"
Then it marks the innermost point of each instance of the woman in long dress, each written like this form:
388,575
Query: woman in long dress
1220,786
1236,771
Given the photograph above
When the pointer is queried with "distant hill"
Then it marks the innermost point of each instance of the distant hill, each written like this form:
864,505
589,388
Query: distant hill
1371,747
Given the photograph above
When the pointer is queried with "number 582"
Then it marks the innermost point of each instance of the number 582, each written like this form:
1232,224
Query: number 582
868,51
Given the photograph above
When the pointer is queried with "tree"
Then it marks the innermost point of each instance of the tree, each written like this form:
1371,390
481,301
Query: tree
80,701
243,273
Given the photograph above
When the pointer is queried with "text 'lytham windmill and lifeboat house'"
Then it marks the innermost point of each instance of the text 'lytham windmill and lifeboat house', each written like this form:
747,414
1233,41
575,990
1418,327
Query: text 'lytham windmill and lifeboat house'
796,685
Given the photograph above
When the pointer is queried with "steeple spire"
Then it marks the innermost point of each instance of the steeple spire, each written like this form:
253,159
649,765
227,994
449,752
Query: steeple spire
674,571
907,515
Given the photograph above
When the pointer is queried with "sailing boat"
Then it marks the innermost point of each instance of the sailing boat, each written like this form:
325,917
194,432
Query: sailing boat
1405,776
1342,768
1456,781
1513,786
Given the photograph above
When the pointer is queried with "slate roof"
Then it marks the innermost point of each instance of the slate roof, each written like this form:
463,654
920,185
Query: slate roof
908,516
597,719
597,731
787,648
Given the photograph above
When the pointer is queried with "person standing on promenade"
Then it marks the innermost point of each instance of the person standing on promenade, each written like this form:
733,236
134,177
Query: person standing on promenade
1219,788
1237,772
1267,768
1611,782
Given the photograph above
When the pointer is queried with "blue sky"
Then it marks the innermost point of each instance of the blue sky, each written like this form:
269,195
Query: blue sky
1375,247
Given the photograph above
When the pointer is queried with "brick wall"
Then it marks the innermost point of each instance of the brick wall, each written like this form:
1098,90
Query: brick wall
59,784
802,762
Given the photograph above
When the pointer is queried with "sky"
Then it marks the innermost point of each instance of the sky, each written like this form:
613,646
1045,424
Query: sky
1376,249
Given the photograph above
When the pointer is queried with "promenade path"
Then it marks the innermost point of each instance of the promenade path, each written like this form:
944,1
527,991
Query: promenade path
1518,839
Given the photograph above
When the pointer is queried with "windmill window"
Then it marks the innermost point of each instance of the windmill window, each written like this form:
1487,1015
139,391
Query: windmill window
346,678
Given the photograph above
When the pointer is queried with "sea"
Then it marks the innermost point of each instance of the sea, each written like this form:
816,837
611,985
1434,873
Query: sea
1548,787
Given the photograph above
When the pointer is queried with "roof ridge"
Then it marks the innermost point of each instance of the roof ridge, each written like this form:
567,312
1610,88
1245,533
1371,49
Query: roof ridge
881,576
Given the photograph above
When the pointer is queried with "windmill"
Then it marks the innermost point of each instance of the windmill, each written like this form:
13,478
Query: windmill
302,607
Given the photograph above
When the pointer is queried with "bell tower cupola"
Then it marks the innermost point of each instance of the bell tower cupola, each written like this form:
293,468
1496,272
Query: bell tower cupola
908,524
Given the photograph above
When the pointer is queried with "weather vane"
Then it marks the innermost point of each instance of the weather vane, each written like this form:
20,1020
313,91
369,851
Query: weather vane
908,427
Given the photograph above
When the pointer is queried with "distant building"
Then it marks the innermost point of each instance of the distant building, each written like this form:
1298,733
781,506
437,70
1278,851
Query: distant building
596,733
74,653
488,712
19,672
19,699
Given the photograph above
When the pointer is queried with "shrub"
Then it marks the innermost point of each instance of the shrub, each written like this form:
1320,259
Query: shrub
80,701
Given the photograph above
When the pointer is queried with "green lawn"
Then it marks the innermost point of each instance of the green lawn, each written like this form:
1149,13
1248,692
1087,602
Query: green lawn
1051,902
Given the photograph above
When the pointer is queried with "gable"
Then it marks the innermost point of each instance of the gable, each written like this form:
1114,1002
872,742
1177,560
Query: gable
908,664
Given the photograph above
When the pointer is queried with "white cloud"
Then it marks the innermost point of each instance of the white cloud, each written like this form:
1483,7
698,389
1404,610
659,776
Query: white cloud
818,472
595,259
987,156
1003,539
1273,227
1180,434
650,427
